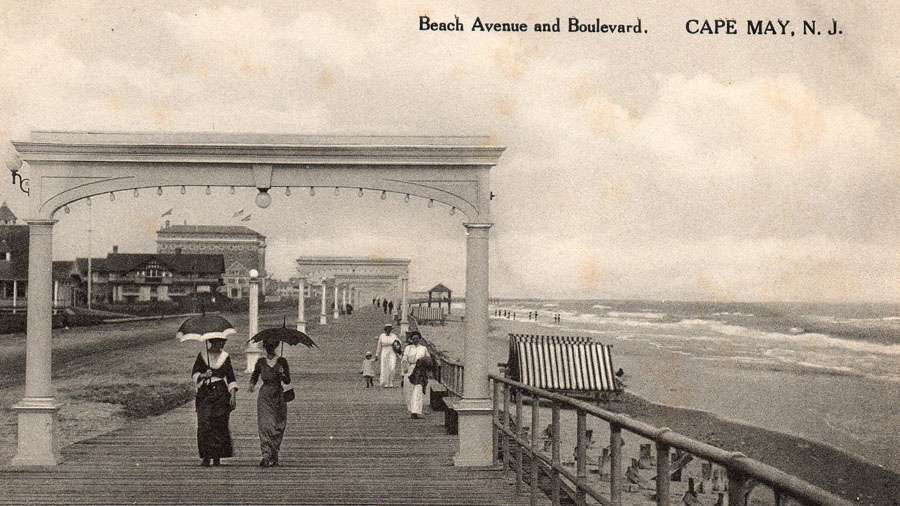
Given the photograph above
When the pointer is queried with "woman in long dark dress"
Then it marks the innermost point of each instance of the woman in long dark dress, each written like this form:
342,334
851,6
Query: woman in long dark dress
216,396
271,409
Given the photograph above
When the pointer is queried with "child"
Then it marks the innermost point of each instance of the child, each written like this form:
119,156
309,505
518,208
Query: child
368,369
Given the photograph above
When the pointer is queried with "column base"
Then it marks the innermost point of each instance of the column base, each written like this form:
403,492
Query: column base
252,354
301,326
323,320
475,436
36,442
404,327
335,315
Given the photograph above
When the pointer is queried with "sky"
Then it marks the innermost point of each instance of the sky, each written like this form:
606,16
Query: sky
656,166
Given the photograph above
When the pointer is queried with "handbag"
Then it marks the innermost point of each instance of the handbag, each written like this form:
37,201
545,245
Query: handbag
287,393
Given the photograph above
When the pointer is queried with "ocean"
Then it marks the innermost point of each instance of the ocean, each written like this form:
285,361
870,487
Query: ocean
825,372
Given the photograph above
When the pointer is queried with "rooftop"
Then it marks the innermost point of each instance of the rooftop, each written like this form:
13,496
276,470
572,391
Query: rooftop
209,229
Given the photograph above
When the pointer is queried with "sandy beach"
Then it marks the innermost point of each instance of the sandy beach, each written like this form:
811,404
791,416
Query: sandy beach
828,467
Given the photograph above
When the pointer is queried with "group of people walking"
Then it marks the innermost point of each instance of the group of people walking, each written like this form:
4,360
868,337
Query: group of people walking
415,364
386,305
216,398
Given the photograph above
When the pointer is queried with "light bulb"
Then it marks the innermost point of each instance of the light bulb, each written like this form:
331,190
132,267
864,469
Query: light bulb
263,199
208,190
112,196
360,192
337,191
406,198
430,203
159,190
287,191
89,202
66,209
383,194
312,190
183,190
136,193
231,190
452,211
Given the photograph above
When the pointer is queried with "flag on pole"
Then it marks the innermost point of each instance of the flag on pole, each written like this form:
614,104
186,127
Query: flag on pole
167,213
246,218
237,213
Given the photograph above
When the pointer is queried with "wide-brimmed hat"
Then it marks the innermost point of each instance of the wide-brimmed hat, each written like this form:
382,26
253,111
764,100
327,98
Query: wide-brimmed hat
388,326
368,353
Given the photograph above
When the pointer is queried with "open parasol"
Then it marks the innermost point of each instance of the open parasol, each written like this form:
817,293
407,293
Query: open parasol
203,328
283,335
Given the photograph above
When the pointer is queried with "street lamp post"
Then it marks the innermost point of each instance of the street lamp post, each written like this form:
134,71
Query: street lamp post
253,351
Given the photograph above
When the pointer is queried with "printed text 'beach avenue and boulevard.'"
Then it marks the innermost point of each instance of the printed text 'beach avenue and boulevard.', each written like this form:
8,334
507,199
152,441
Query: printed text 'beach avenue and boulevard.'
696,26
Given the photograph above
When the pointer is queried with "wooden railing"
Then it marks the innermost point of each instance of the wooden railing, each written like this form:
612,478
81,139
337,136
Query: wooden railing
450,373
514,451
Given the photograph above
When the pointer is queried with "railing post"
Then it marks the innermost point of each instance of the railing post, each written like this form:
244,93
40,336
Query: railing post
535,422
555,453
780,499
519,456
615,464
580,458
495,426
737,484
662,473
506,394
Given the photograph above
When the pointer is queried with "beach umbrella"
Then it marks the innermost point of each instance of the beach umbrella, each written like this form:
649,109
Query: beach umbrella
203,328
282,335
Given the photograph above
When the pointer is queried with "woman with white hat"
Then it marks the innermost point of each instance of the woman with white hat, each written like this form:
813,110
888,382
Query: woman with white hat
384,350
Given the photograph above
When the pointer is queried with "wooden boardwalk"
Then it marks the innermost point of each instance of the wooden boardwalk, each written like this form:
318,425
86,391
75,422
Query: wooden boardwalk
345,444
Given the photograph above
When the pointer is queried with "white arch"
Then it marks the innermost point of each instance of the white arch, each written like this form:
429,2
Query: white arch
69,166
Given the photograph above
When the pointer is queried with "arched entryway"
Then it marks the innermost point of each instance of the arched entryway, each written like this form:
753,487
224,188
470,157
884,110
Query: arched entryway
65,167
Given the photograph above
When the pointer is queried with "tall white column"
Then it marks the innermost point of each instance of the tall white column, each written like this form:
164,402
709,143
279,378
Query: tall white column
404,320
15,294
253,351
335,311
301,304
344,298
474,410
36,442
322,318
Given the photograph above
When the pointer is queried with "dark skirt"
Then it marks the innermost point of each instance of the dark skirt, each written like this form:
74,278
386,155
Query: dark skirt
271,419
213,411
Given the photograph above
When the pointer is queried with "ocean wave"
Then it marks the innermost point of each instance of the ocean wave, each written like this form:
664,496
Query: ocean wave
730,313
809,339
646,315
601,306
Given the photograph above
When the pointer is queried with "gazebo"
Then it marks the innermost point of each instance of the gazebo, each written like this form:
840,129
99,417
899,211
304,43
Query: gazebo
439,289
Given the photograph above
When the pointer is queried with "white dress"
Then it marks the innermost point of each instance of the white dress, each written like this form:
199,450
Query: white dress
388,359
414,394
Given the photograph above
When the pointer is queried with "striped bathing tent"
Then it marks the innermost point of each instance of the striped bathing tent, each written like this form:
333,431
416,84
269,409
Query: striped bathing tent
561,363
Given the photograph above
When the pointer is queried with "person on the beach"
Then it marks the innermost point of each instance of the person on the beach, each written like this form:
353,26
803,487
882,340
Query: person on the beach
385,352
415,363
368,369
391,307
384,306
271,408
216,398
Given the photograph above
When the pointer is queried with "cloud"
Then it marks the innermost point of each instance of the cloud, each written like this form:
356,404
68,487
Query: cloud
631,169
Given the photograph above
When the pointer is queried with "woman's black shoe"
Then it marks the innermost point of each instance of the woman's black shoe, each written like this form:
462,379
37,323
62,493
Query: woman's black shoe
216,462
265,463
205,463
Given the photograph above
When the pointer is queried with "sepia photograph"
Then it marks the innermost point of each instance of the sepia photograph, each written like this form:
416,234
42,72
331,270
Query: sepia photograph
462,253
